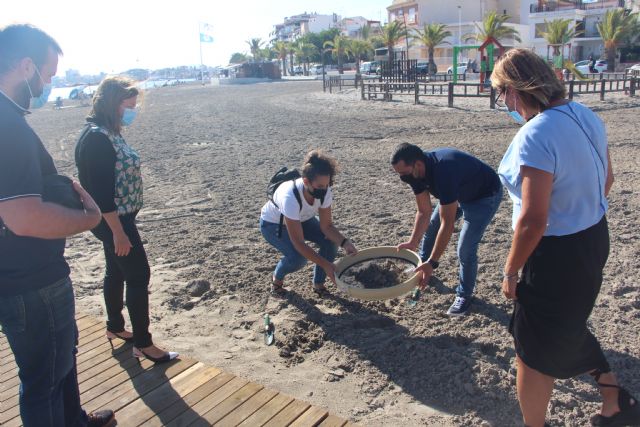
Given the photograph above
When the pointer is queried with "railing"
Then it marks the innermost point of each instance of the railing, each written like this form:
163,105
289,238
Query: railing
386,91
626,85
555,6
338,82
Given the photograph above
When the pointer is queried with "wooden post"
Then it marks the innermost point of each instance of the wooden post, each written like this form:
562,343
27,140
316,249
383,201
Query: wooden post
571,83
603,83
492,98
450,95
330,85
362,91
632,86
386,91
416,92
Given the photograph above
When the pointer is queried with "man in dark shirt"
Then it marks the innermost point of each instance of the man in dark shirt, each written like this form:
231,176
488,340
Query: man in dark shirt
37,312
465,187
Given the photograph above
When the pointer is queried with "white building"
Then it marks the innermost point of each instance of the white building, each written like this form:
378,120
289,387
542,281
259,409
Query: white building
296,26
462,18
586,14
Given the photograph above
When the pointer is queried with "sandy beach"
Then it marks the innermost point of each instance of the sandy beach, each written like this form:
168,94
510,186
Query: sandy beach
207,155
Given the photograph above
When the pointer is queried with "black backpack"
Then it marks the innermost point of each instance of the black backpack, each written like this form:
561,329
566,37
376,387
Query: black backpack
282,176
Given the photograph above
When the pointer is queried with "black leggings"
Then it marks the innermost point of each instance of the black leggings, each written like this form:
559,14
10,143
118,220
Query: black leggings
132,269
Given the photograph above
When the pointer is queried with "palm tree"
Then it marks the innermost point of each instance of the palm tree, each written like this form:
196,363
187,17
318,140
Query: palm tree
392,33
431,36
282,49
337,47
559,32
614,28
255,45
493,26
304,52
359,49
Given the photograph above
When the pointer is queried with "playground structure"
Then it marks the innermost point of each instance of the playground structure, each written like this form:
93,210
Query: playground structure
486,60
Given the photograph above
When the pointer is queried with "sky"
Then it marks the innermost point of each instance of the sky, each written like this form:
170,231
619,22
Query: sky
115,35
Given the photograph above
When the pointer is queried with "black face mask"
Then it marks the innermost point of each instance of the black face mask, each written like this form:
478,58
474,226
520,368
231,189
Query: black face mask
317,193
408,179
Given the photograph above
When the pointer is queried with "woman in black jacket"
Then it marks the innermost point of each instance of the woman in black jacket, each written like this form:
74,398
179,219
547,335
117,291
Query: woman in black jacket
109,169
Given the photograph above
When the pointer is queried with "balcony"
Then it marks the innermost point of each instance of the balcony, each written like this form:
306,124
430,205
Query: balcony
564,5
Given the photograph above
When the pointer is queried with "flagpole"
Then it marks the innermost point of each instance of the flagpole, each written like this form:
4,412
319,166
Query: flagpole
201,61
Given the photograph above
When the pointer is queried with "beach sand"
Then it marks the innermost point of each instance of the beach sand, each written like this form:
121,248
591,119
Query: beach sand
208,153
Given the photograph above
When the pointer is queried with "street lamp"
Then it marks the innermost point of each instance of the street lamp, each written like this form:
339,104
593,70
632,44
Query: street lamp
459,26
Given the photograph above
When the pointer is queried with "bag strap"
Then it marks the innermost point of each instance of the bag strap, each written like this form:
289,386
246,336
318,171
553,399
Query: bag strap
296,193
604,168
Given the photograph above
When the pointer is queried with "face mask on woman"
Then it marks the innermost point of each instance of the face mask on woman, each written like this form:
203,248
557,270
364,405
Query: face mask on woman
128,116
317,193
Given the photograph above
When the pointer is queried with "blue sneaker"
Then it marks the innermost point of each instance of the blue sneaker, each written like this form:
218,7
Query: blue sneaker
460,306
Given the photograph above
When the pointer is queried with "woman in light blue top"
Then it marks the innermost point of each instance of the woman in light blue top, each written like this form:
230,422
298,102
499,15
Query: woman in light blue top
558,174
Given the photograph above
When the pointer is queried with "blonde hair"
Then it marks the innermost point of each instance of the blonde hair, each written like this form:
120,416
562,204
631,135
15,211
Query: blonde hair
534,80
109,95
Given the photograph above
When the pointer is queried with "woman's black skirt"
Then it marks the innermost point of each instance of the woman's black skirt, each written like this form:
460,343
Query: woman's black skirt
558,289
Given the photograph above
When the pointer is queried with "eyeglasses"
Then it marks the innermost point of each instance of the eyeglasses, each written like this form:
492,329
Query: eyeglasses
499,99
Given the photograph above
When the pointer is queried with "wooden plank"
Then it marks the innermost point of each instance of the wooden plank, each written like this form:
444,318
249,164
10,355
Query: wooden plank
139,385
333,421
311,418
208,403
288,414
9,413
268,411
168,393
229,405
247,409
172,411
115,377
107,372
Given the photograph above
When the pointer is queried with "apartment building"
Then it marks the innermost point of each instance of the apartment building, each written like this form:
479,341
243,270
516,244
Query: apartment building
296,26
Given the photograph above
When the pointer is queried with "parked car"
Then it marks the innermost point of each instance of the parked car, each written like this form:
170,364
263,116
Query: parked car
583,66
297,70
422,68
634,69
461,69
315,69
368,67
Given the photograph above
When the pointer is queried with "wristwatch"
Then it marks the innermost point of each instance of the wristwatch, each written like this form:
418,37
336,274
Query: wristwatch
434,264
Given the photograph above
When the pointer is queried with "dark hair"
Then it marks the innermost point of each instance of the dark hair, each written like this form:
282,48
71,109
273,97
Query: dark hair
406,152
21,41
316,163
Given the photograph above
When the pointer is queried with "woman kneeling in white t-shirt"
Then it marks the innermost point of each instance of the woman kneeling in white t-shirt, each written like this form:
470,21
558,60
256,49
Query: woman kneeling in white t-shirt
301,224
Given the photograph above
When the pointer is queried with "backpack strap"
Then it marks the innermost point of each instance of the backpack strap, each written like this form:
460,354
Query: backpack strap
296,193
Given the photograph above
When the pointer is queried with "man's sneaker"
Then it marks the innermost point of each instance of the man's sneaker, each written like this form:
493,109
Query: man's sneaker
103,418
460,306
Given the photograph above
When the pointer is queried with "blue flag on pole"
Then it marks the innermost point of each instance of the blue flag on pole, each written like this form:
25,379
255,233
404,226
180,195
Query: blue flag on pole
206,33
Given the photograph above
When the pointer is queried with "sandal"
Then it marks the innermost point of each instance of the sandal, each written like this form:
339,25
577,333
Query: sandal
321,290
277,288
629,414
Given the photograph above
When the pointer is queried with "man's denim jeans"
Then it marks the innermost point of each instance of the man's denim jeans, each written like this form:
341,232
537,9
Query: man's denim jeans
41,329
477,215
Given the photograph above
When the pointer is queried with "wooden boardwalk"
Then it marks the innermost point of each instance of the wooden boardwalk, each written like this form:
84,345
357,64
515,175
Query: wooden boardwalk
180,393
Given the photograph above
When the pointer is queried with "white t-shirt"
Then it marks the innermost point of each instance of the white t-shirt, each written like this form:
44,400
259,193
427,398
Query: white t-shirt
289,206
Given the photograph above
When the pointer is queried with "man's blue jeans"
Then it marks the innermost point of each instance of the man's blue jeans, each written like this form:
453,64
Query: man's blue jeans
477,215
292,259
41,329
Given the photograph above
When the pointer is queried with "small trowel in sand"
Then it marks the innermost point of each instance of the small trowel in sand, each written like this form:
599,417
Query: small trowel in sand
269,331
